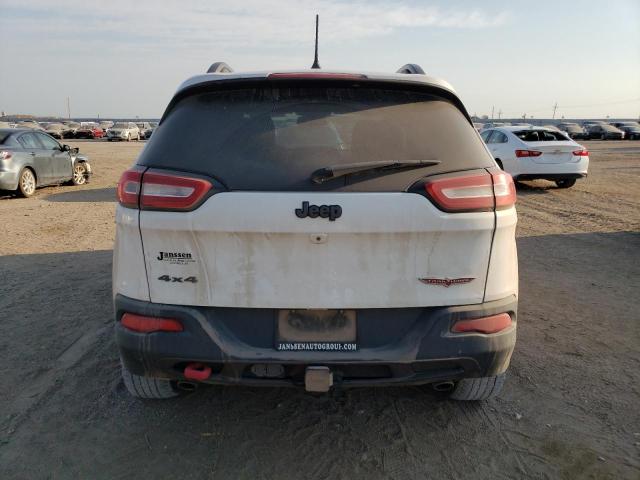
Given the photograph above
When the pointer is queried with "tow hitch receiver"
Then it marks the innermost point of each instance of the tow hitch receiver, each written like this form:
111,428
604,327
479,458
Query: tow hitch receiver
318,379
197,371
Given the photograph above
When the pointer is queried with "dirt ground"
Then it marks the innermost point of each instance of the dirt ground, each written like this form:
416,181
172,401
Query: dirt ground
570,408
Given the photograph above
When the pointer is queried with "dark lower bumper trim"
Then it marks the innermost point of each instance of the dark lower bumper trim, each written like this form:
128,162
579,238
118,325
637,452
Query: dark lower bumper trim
425,351
550,176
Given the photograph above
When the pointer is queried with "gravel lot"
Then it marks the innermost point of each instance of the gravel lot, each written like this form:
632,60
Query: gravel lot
570,408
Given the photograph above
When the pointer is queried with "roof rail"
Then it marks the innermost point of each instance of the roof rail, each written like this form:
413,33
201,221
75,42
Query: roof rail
411,68
220,67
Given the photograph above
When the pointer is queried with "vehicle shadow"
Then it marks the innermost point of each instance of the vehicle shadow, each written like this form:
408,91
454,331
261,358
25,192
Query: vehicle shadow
90,195
534,187
5,194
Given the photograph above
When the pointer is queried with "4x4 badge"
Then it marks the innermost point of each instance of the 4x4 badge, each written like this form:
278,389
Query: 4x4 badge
445,282
325,211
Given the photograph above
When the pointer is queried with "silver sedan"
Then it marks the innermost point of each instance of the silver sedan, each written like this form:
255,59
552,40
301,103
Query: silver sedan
31,159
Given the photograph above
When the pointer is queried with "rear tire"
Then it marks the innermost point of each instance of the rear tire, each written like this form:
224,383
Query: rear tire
473,389
147,387
566,182
27,183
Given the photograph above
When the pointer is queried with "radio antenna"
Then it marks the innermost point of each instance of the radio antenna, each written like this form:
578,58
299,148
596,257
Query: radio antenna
315,60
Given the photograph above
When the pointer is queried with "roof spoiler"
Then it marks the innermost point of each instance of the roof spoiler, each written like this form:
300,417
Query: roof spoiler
411,68
220,67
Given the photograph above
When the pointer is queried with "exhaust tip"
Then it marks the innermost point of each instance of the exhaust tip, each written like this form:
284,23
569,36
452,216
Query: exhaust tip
444,386
186,386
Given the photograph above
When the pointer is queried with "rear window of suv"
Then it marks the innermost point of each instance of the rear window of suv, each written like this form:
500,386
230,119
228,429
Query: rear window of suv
275,137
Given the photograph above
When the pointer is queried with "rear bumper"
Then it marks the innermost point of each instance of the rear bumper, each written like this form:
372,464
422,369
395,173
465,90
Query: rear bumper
396,346
529,170
8,179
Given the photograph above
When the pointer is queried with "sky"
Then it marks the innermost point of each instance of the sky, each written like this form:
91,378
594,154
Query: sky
122,59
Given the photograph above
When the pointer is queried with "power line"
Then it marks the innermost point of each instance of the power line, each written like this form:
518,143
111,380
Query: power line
558,106
617,102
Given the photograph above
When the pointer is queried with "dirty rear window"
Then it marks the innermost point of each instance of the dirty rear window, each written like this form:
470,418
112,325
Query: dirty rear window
274,138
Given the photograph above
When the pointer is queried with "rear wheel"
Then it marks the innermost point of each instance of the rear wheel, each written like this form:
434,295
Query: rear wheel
146,387
27,183
478,388
566,182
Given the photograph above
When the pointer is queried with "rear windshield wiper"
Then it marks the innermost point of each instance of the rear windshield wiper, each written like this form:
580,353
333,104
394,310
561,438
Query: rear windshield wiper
334,171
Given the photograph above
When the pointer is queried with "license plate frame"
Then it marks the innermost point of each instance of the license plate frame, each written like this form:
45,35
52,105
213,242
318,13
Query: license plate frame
330,330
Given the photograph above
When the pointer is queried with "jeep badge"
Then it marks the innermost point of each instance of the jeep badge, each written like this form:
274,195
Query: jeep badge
325,211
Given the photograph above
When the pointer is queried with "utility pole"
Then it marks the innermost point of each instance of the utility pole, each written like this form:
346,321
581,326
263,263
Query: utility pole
555,107
68,109
491,112
499,114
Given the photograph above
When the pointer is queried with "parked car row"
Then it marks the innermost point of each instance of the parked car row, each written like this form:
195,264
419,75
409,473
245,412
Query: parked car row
87,130
588,130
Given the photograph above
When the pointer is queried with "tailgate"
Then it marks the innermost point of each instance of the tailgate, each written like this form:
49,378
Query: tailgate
251,250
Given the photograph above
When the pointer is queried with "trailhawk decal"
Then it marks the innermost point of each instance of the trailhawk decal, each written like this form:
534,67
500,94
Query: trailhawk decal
175,258
445,282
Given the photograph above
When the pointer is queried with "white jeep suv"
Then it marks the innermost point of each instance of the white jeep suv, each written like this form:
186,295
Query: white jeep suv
319,229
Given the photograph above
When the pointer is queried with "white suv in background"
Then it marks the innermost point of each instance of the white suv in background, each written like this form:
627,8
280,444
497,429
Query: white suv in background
530,153
315,228
124,131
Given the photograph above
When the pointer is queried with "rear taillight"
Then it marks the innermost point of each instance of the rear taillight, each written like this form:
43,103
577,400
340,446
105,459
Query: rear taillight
129,187
155,190
144,324
477,192
5,155
528,153
581,153
487,325
504,190
172,192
